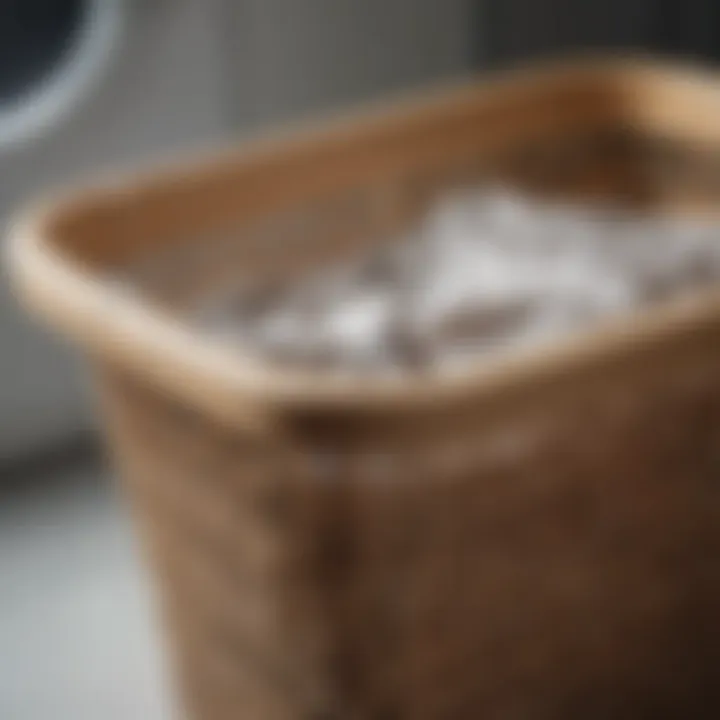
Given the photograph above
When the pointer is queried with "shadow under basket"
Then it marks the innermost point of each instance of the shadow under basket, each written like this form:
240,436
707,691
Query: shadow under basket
537,538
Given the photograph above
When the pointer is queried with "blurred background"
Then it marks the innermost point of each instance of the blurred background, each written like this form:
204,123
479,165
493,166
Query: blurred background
92,85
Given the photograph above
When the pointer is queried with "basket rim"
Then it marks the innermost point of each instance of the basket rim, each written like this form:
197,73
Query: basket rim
237,388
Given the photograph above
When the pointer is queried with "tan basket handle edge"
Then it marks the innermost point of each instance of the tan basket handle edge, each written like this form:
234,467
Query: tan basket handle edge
170,356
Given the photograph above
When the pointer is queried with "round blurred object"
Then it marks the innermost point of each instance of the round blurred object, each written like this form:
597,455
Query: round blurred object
52,53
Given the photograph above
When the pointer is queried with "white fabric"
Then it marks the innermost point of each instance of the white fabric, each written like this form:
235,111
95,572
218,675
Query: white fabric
484,272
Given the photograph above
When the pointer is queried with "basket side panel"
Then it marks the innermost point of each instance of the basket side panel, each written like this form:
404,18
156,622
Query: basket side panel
561,563
558,561
221,525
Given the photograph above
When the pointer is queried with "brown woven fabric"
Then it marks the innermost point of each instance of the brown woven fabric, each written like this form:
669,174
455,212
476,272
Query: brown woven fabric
538,541
558,562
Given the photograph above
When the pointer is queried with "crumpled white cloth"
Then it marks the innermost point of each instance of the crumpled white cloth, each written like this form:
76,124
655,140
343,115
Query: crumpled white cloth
484,272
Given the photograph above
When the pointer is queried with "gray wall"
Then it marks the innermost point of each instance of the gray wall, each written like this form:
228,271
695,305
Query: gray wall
165,92
297,57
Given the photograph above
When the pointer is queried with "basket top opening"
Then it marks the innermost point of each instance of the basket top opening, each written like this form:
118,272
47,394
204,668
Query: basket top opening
629,130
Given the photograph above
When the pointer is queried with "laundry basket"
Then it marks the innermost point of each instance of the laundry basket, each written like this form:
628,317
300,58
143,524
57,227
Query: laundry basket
536,538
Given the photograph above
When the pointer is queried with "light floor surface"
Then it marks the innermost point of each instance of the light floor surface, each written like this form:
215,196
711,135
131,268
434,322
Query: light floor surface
77,619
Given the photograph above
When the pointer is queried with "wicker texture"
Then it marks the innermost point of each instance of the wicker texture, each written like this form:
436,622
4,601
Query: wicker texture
558,562
540,541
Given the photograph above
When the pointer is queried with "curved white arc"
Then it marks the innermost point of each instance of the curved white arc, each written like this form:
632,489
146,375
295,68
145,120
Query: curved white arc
48,103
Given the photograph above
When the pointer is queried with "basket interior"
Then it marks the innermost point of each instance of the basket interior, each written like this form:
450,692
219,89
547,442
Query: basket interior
635,135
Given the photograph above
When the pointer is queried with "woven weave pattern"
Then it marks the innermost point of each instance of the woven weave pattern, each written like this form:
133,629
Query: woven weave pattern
536,540
549,565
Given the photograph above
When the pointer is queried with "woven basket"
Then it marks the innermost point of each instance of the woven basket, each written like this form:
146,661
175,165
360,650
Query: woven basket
538,538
